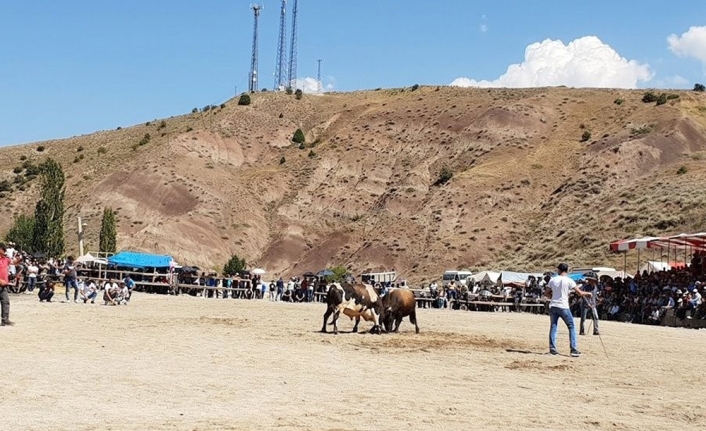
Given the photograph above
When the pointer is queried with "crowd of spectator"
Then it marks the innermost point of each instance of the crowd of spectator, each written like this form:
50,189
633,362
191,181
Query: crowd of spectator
644,298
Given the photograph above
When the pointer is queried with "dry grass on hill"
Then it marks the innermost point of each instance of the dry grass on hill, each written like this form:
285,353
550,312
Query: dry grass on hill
526,189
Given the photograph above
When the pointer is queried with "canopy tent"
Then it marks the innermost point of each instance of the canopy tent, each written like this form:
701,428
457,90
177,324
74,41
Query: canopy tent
652,266
694,241
134,259
516,278
486,277
86,258
325,273
612,274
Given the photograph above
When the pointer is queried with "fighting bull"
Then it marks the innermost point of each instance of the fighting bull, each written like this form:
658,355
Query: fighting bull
355,301
396,305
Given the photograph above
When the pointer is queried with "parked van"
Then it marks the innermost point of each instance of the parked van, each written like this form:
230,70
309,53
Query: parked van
461,276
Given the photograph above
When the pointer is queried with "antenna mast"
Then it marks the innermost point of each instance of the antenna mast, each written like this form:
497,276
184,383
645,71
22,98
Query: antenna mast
252,85
281,66
292,78
319,85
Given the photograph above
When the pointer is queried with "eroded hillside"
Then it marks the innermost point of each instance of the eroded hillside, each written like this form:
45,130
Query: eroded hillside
526,190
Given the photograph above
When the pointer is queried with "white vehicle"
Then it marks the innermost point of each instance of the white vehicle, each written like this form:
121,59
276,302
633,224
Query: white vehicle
378,277
460,276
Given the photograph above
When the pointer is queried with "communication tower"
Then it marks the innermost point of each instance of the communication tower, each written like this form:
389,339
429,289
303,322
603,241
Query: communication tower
252,84
319,86
281,66
292,76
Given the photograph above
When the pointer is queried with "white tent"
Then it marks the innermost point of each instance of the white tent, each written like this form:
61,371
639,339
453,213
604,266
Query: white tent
86,258
516,278
486,277
653,266
612,274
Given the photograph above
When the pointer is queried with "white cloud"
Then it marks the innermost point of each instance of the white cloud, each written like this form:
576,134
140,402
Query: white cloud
675,81
584,62
312,86
690,44
483,27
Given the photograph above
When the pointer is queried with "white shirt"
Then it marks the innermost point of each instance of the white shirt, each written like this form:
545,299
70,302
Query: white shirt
86,289
10,252
32,271
561,285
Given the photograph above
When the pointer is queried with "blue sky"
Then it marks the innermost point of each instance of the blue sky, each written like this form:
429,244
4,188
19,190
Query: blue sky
78,66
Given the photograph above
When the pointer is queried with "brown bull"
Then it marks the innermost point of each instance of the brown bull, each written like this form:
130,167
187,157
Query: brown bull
355,301
397,304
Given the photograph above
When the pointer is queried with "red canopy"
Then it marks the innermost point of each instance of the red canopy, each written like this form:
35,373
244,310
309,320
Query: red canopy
695,241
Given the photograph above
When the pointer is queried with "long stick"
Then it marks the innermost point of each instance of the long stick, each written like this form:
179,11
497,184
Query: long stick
595,316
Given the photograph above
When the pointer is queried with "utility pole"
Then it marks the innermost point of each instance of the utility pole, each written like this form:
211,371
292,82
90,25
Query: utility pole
319,85
253,61
80,236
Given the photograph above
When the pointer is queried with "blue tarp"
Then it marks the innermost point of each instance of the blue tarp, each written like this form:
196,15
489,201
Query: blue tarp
134,259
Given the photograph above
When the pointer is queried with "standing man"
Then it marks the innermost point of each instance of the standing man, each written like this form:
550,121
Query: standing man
558,290
70,278
588,305
5,263
32,272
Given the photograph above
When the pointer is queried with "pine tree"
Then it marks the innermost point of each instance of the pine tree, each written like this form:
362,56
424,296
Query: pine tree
108,235
22,233
234,266
48,235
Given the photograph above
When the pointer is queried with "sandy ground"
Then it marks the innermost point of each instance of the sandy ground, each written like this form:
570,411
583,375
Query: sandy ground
168,363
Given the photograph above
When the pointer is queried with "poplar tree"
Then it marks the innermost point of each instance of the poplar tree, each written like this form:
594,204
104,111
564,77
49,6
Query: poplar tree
48,235
108,235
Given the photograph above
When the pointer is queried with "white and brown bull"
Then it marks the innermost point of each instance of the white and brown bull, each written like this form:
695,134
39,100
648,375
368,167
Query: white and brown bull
355,301
397,304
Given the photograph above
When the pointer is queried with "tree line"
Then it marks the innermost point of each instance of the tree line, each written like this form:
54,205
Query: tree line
43,231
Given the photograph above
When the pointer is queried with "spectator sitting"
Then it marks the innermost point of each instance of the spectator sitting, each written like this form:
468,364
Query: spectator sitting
300,295
111,293
613,312
88,290
130,285
46,291
287,296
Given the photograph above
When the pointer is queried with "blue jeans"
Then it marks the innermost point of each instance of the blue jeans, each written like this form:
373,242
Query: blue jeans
69,283
565,314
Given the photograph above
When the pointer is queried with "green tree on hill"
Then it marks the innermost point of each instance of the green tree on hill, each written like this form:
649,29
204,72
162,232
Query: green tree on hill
48,235
234,266
108,235
299,137
22,232
244,100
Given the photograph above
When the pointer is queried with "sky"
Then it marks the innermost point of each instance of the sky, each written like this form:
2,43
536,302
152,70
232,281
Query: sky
76,66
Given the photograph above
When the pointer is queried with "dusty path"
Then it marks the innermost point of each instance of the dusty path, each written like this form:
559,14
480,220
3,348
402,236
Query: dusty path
166,363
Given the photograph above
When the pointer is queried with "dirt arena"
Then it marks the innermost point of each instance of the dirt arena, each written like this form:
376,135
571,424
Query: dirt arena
168,363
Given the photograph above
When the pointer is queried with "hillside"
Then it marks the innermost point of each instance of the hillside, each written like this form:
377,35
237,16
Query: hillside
525,191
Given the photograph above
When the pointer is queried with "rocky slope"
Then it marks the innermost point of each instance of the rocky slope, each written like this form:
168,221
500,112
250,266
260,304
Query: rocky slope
526,189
